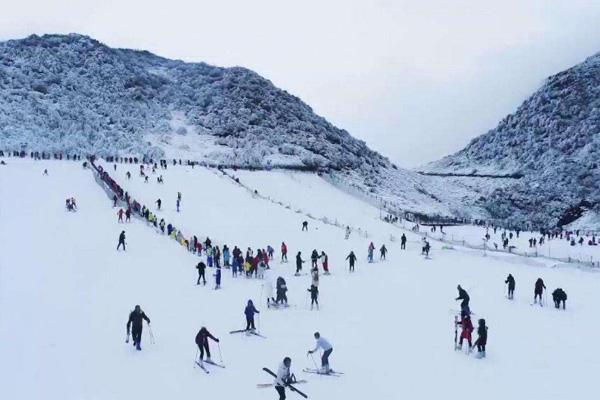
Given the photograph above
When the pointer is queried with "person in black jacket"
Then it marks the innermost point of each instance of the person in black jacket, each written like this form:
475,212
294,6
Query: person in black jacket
135,323
464,305
482,338
201,267
314,257
299,262
202,342
249,311
121,241
351,260
510,280
538,290
281,289
403,242
559,296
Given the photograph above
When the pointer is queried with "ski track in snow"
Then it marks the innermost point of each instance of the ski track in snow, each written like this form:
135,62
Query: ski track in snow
65,295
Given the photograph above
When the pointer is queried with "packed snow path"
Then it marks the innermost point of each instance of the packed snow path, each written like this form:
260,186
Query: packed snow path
65,294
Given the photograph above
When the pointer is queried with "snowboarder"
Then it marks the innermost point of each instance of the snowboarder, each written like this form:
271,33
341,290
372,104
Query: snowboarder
299,262
284,377
511,286
327,350
202,343
281,289
464,305
305,226
284,252
481,339
403,242
135,323
538,290
325,262
467,329
559,296
249,312
382,252
158,203
121,241
351,260
201,267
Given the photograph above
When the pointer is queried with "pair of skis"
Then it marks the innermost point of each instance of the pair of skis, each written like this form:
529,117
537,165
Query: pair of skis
210,362
291,386
320,372
248,332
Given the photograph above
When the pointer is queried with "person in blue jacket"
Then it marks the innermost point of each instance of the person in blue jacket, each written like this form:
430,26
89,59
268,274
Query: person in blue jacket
250,311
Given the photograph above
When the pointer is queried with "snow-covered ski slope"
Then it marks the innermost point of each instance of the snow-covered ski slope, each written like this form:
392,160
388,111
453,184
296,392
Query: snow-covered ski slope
65,295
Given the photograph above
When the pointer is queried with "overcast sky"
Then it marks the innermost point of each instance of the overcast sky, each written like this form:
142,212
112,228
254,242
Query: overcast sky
415,79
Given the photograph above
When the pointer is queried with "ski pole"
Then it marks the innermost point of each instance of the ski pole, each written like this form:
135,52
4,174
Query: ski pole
258,316
313,360
151,334
220,354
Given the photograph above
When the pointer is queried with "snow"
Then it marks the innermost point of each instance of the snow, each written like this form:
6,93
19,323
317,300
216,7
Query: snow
65,295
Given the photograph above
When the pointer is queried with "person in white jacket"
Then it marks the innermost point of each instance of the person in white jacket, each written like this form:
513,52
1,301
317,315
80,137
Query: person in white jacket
327,348
284,377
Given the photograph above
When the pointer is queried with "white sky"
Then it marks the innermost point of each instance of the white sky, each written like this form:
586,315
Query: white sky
415,79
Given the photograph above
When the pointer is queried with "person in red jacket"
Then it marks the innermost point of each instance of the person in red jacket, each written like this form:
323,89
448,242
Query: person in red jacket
120,214
283,252
325,261
467,329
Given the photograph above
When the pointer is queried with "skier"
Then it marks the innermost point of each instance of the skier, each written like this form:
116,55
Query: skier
135,323
202,343
403,242
201,267
481,339
467,328
559,296
325,262
382,252
128,215
511,286
371,248
115,201
327,350
351,260
120,214
299,262
249,312
538,290
314,296
158,203
315,276
464,305
218,278
281,289
284,252
284,377
313,258
177,204
270,251
305,226
426,248
121,241
268,285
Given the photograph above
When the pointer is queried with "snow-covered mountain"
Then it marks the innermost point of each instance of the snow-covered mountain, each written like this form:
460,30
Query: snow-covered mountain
73,94
550,145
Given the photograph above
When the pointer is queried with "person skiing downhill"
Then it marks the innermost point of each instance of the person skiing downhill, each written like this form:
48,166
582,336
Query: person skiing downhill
284,377
284,252
202,343
382,252
135,324
249,311
299,262
538,290
351,260
510,280
201,267
325,262
559,296
464,305
482,338
467,329
327,348
121,241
